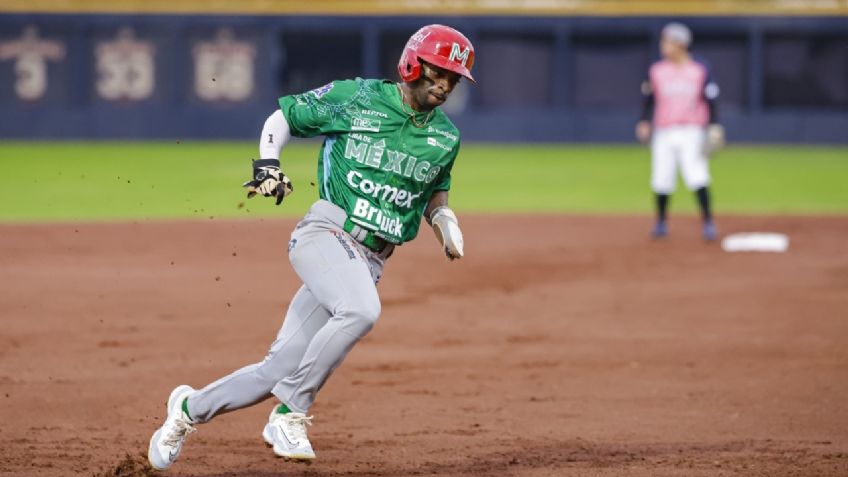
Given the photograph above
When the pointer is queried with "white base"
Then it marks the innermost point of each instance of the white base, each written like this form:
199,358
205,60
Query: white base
755,242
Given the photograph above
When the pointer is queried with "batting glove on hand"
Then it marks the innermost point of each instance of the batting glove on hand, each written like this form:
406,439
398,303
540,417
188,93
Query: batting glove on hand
715,139
446,226
268,180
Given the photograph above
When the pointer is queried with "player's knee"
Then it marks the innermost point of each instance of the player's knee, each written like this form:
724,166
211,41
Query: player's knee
697,183
661,185
368,313
361,316
659,189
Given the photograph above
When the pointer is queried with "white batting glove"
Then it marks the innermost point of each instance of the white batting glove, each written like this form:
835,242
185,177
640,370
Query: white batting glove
446,226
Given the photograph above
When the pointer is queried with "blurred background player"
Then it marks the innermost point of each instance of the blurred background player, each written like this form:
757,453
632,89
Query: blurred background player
680,100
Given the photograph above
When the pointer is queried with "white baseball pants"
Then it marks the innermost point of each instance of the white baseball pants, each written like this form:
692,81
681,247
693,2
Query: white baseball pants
337,305
683,146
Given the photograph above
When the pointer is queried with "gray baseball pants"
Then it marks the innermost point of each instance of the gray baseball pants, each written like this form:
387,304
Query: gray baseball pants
337,305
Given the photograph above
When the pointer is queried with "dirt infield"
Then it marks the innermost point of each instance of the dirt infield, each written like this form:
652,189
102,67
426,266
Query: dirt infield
560,346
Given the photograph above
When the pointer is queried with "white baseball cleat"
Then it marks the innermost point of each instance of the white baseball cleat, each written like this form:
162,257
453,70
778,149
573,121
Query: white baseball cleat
167,441
286,433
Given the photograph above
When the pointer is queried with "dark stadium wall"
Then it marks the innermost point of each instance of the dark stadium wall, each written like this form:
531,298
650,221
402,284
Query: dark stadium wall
551,79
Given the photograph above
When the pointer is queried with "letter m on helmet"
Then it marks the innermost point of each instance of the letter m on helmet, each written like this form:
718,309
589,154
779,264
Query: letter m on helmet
457,53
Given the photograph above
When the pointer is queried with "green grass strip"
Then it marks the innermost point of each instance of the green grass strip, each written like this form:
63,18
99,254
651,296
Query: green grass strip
67,181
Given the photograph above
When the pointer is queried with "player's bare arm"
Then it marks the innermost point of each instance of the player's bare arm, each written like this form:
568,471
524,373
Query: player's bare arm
445,225
439,199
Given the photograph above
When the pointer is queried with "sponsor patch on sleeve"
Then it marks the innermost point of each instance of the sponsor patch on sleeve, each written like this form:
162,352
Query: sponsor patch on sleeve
319,92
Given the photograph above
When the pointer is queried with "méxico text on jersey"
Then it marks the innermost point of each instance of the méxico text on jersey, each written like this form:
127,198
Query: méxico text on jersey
375,163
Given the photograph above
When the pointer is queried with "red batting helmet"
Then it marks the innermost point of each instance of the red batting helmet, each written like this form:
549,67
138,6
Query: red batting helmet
440,46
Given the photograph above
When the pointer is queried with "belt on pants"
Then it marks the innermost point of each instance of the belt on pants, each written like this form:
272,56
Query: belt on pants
365,237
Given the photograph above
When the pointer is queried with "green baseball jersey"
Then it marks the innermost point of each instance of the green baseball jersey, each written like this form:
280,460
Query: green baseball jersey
380,161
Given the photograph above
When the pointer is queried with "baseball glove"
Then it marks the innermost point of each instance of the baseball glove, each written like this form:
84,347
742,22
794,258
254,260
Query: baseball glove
714,140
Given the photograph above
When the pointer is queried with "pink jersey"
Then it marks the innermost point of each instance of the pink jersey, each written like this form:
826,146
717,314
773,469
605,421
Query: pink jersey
680,93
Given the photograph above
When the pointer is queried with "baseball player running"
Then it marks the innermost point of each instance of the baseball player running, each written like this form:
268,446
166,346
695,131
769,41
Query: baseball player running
680,97
385,162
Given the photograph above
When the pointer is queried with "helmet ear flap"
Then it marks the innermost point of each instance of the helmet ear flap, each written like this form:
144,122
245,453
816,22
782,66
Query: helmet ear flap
414,70
409,67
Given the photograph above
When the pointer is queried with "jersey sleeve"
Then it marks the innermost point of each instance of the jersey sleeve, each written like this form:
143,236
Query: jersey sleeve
710,92
443,182
321,111
647,101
